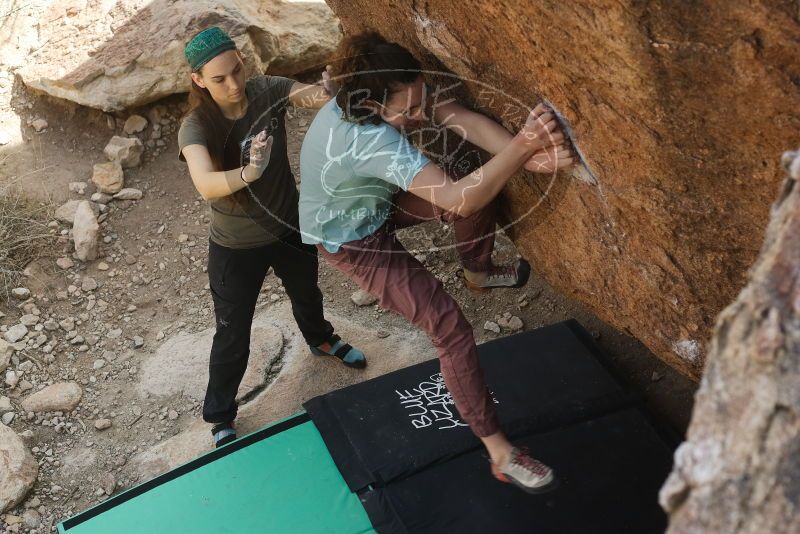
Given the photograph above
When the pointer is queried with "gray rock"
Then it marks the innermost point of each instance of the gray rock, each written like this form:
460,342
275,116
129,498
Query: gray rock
15,333
85,232
114,334
62,396
134,124
12,379
108,177
101,198
21,293
29,319
64,262
102,424
78,187
8,417
66,213
512,323
19,469
129,193
125,150
363,298
31,518
108,483
39,124
88,284
5,405
492,327
6,350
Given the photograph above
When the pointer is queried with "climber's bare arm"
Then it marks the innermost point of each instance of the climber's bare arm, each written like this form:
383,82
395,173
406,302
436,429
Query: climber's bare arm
303,95
482,131
211,184
474,127
314,96
474,191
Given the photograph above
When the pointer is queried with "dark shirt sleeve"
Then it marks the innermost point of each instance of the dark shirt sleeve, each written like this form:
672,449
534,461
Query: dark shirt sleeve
190,133
278,89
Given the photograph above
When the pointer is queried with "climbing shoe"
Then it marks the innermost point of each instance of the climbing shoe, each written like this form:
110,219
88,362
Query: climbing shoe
349,355
525,472
500,276
223,434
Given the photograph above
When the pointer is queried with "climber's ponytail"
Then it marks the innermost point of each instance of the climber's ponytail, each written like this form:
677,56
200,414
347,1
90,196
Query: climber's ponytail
367,67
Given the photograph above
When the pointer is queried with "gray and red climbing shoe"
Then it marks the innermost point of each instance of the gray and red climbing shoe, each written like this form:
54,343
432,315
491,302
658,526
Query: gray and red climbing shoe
525,472
501,276
350,356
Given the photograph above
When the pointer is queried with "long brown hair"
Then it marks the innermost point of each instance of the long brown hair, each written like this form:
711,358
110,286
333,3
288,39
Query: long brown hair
368,67
215,126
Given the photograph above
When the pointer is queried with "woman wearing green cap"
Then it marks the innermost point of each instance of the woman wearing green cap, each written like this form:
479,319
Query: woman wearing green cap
233,139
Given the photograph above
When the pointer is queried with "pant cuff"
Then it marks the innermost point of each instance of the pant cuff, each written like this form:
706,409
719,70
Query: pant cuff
487,429
477,266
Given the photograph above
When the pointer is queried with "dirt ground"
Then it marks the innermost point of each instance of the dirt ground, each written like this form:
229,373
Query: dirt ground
154,284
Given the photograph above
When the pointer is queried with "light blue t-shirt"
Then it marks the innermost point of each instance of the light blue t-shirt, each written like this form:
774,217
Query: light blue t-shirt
348,175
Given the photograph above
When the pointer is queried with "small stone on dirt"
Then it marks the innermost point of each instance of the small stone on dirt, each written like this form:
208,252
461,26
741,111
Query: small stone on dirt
102,424
492,327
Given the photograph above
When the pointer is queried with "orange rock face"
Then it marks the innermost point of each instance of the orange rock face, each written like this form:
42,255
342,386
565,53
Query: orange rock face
681,111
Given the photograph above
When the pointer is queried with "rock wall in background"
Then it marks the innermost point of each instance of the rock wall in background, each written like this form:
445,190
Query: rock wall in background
681,111
738,470
117,55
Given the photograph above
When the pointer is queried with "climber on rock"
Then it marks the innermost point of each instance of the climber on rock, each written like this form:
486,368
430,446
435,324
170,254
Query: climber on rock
361,180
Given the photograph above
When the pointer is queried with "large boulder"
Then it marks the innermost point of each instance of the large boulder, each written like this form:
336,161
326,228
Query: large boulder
739,470
116,55
681,112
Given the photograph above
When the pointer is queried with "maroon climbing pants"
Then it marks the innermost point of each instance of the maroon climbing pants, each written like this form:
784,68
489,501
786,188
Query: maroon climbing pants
381,265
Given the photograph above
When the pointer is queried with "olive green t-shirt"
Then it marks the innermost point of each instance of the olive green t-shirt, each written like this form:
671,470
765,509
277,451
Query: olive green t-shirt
269,210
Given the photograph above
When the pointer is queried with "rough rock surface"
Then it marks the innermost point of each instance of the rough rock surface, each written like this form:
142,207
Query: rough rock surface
126,150
121,54
181,363
18,469
108,177
292,386
739,470
659,98
63,397
85,232
66,212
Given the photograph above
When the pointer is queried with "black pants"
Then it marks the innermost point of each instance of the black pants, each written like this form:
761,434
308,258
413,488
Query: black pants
235,277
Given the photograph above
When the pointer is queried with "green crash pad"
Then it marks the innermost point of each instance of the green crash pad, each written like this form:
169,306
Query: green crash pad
281,479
